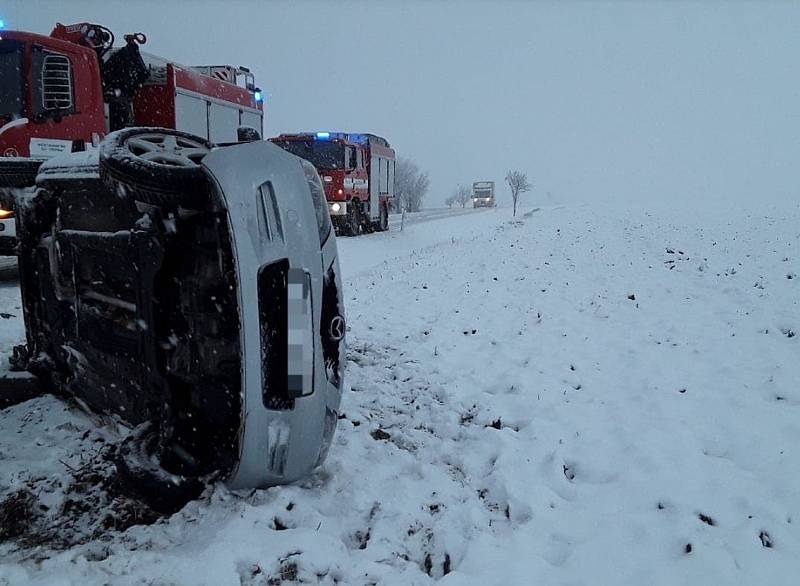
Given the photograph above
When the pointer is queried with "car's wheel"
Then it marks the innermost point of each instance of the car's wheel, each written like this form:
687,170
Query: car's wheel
158,166
18,172
382,223
139,467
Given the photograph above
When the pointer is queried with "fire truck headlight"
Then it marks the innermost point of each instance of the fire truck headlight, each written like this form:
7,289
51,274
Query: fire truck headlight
335,207
327,178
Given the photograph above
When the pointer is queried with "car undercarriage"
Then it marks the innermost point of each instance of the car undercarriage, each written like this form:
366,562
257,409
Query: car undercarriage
147,280
145,296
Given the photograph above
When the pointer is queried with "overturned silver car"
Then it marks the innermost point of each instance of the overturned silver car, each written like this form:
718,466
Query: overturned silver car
194,292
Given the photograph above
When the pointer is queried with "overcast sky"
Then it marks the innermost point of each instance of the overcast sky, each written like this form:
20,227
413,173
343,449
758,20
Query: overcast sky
620,100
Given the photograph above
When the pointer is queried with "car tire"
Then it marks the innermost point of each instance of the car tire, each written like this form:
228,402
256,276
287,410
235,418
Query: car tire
142,476
158,166
18,172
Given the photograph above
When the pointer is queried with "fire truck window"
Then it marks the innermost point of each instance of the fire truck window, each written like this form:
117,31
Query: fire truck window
12,96
322,154
359,159
318,198
54,91
351,157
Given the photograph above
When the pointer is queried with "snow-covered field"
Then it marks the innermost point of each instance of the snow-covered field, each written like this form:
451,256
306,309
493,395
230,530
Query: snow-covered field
586,395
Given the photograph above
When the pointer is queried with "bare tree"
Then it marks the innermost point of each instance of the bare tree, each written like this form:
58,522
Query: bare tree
462,195
518,182
450,201
419,191
410,185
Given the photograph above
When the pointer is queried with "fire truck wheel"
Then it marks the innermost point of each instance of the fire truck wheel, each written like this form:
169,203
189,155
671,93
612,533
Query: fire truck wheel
158,166
353,225
18,172
367,225
382,223
143,477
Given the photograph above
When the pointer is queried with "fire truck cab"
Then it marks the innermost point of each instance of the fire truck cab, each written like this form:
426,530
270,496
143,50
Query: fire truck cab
358,172
64,92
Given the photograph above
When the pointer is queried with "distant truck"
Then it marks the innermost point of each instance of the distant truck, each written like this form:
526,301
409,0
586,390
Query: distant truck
357,172
483,194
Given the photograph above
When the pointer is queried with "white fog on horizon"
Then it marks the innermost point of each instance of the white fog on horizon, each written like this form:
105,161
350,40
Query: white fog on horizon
650,101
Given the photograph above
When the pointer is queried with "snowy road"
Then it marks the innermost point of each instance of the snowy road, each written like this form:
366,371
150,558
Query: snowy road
587,395
396,220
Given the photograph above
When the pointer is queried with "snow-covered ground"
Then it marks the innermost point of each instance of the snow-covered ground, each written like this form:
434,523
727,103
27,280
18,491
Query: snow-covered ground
586,395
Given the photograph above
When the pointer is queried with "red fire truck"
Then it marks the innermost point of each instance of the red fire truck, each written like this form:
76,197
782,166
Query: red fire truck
357,171
64,92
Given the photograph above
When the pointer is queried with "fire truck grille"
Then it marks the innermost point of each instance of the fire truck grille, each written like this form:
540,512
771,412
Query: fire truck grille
56,83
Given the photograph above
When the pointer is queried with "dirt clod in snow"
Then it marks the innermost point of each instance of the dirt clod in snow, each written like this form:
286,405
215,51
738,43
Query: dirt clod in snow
569,472
379,434
428,564
288,573
16,514
765,538
706,519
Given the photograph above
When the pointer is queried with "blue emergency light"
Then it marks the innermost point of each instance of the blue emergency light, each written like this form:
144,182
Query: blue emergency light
2,24
259,96
323,135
